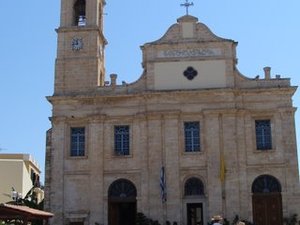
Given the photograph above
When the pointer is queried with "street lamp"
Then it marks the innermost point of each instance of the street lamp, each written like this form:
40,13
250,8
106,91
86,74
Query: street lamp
16,196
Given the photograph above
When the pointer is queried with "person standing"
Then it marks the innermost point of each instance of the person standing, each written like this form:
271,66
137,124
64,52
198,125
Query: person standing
217,220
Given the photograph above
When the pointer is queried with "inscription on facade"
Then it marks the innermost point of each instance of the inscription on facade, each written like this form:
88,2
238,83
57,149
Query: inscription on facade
178,53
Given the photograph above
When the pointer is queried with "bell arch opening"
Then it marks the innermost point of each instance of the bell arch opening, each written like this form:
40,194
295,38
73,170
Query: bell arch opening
80,13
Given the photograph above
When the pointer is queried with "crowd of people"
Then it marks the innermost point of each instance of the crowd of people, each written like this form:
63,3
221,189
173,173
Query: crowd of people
218,220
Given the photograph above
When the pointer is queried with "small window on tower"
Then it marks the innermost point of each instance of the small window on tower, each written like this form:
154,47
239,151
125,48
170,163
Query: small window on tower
79,13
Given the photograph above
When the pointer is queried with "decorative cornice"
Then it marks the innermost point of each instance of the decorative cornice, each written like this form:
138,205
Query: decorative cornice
76,173
121,172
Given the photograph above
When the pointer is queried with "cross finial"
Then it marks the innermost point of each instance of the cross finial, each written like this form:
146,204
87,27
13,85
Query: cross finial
187,4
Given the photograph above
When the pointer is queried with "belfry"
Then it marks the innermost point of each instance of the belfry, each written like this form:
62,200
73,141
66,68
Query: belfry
191,138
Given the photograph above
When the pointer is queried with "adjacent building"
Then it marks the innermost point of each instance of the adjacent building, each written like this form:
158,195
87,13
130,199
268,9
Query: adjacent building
191,138
19,173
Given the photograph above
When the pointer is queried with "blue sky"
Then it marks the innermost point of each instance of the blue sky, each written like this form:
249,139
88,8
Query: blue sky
268,32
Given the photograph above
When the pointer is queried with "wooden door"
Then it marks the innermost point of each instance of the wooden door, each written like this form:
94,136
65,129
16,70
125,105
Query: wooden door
267,209
127,213
113,213
195,214
122,213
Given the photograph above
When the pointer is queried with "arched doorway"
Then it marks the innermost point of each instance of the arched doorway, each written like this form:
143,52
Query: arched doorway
193,198
266,201
121,203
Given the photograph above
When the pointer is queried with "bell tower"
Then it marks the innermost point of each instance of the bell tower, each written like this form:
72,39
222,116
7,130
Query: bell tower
79,65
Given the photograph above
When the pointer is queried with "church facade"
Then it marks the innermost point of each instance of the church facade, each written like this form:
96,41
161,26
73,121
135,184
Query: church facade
191,138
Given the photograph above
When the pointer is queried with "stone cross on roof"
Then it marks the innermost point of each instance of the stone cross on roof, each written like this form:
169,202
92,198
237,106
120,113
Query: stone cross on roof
187,4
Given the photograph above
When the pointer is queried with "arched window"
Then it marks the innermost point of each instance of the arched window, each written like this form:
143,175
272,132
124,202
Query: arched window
193,186
266,184
79,13
122,188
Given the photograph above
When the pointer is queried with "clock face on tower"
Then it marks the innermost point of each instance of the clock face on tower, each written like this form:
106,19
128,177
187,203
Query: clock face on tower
77,44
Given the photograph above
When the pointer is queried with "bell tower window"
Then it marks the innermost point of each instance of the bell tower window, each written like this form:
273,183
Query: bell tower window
79,13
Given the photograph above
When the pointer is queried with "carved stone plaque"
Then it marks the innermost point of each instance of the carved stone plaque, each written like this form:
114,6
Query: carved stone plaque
185,53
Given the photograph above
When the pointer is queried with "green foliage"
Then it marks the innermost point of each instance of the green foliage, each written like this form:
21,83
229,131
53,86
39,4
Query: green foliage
141,219
11,222
226,222
30,200
292,220
235,220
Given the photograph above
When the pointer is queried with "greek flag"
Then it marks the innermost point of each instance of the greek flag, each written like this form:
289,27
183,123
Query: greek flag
163,185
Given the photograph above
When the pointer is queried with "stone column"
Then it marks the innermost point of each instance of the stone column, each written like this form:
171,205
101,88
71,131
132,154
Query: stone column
241,166
143,155
171,154
96,157
155,150
57,170
214,186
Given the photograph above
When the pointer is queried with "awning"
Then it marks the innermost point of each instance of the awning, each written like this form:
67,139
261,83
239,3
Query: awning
20,212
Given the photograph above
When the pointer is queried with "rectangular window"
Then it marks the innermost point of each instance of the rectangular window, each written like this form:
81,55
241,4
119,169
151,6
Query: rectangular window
122,138
263,134
77,141
76,223
32,176
192,136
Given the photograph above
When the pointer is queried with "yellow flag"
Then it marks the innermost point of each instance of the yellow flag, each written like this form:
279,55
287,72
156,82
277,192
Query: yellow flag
222,168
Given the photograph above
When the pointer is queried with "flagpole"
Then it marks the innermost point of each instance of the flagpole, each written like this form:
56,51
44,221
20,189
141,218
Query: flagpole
163,166
222,166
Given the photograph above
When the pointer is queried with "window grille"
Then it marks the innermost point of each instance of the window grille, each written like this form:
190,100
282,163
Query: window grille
266,184
263,134
192,136
122,140
122,188
193,186
77,141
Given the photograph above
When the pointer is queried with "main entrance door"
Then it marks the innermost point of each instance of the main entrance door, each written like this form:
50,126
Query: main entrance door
122,213
266,201
194,189
194,213
121,203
